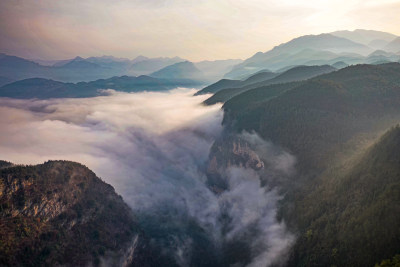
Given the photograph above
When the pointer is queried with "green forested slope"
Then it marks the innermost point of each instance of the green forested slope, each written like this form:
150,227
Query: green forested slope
353,217
316,117
260,94
343,202
229,88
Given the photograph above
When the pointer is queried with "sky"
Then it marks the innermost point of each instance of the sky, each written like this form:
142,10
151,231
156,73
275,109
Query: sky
192,29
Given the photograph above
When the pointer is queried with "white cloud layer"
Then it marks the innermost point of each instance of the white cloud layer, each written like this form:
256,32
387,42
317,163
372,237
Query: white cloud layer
152,147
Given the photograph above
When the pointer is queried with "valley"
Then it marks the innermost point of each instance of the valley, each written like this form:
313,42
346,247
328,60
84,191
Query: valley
288,158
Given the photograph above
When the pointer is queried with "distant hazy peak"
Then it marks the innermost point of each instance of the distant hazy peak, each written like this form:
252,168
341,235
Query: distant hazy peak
78,58
180,70
365,36
393,46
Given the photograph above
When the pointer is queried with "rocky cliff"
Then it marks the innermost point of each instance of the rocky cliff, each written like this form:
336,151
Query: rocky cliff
230,150
60,213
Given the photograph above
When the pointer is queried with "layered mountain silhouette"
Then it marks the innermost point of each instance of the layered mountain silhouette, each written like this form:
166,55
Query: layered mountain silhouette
351,47
373,39
180,71
79,69
393,46
45,88
150,65
224,87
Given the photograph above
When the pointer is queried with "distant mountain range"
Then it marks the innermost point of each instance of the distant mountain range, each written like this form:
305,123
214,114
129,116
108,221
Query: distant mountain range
349,47
373,39
338,49
79,69
45,88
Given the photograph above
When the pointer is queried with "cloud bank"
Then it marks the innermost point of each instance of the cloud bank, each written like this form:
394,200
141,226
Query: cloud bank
153,148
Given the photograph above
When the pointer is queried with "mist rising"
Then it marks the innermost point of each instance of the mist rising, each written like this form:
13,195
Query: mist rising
153,148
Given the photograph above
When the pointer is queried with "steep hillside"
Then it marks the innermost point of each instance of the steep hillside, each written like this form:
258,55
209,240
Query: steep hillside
323,112
300,73
353,217
60,213
260,76
343,201
226,83
220,85
294,74
261,93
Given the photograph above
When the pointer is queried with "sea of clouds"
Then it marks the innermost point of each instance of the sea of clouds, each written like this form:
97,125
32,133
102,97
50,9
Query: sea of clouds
153,148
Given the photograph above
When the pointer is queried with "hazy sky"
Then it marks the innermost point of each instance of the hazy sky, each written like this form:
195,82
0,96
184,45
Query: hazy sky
192,29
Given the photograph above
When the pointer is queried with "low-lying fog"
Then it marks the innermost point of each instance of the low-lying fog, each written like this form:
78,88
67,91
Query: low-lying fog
153,147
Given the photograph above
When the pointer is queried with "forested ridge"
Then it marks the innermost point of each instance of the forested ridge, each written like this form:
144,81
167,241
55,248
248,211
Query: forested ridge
343,202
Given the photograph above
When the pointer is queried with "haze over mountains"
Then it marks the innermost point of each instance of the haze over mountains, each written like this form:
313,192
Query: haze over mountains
340,48
45,88
162,74
266,78
373,39
328,122
300,166
351,47
13,68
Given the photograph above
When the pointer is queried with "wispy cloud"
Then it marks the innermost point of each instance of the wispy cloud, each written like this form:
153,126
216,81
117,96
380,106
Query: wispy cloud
153,148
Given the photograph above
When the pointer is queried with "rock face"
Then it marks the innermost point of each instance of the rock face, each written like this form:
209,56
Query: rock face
60,213
230,151
240,154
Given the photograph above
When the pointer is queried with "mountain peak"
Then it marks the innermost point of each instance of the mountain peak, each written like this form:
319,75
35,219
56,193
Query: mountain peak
78,58
180,70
